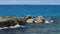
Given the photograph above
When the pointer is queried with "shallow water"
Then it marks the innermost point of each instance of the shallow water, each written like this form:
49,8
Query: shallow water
35,28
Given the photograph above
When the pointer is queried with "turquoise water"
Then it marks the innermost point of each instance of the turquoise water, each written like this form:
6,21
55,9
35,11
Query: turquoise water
35,10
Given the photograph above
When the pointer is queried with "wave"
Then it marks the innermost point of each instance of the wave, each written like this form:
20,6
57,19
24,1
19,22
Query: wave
16,26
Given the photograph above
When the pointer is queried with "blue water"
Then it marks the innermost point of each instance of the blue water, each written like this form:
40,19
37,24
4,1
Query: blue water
34,10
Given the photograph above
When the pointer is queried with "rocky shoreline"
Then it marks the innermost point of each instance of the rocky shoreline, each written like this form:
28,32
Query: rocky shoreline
12,21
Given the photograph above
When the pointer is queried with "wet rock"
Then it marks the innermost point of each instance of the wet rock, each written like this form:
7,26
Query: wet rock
29,17
21,21
40,19
6,18
30,21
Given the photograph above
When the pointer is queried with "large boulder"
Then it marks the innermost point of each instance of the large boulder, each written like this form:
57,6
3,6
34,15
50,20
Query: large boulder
30,20
28,17
40,19
21,21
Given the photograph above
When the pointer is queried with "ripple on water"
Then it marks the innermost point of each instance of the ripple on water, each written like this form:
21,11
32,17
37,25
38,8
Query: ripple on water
35,28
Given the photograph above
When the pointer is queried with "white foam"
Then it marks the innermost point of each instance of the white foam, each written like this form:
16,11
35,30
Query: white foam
36,22
47,21
16,26
51,21
5,27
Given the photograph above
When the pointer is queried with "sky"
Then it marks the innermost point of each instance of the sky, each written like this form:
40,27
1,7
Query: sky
29,2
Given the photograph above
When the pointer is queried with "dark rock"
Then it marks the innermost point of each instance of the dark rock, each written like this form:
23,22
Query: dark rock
28,17
21,21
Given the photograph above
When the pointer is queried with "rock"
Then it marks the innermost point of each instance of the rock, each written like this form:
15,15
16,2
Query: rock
40,19
0,17
14,18
29,17
21,21
30,21
6,18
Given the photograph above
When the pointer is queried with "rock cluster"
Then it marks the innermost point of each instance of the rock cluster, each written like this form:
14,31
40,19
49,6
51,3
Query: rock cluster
7,21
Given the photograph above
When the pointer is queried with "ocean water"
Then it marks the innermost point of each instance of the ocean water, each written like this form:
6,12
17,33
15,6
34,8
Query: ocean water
35,10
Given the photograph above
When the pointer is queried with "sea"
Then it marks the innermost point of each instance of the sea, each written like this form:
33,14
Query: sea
48,11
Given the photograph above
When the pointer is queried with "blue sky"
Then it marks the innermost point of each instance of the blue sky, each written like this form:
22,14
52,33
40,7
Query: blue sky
35,2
